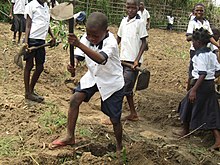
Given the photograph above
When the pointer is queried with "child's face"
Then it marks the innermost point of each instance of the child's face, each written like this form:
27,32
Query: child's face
199,11
131,9
95,35
141,7
216,36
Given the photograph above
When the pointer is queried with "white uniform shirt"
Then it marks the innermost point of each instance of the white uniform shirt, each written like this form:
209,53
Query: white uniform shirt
144,15
40,19
170,19
212,47
131,33
205,61
196,24
19,6
108,77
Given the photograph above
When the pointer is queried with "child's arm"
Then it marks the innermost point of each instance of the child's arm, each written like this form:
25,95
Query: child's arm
118,40
95,56
28,29
53,41
11,11
192,94
212,40
142,49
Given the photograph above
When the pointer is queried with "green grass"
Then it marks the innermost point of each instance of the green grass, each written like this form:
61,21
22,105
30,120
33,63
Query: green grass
7,146
52,118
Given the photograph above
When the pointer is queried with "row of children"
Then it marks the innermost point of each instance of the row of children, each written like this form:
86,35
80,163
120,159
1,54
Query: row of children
200,107
99,49
105,74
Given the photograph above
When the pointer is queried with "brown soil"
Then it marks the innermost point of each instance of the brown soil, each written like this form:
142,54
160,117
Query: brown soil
26,128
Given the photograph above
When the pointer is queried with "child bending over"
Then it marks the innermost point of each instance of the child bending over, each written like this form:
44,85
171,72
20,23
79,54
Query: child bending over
99,48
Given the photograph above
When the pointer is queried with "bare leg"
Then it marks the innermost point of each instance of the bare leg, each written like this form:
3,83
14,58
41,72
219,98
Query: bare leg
19,37
133,114
184,130
27,72
217,139
73,113
117,127
35,77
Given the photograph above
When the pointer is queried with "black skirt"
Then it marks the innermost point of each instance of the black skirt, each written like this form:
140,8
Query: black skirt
18,23
205,108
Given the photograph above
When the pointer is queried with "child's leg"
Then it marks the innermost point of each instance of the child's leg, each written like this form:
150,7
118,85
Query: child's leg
39,69
117,127
27,72
217,139
133,114
19,37
14,37
73,113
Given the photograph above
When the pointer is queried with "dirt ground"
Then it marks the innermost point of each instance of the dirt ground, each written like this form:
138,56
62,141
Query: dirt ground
26,127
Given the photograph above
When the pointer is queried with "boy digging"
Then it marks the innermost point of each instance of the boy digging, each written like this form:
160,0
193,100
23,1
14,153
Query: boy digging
100,50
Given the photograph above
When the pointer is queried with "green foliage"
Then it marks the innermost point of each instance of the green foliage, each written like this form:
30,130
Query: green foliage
4,11
7,146
52,118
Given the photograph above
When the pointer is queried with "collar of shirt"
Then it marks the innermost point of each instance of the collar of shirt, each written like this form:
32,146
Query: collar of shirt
202,50
100,44
195,19
133,19
39,5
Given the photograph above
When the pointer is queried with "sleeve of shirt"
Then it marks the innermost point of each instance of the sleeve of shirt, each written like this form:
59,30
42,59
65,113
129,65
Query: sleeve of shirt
148,15
142,30
217,65
109,48
201,65
190,28
12,1
28,11
26,2
209,29
119,33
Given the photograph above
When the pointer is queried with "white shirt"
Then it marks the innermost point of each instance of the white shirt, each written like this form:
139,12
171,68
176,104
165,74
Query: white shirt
170,19
205,61
144,15
212,47
19,6
196,24
108,77
40,19
131,33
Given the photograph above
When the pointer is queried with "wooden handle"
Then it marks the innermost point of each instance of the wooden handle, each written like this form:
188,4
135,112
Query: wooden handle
37,47
130,65
71,30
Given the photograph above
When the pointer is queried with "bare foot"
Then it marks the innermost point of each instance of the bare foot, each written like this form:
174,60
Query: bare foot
130,118
106,121
58,143
33,97
215,147
180,133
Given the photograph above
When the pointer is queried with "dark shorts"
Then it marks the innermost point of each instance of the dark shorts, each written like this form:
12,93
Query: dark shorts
18,23
38,54
192,53
130,77
112,107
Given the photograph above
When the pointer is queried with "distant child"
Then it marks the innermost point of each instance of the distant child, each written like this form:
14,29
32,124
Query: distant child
170,20
144,14
18,20
132,35
99,49
37,27
214,49
200,107
198,22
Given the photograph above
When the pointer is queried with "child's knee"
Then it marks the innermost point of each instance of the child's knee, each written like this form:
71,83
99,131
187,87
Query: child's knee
75,101
39,68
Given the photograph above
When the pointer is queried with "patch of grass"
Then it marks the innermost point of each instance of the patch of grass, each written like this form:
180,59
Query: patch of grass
7,146
52,118
83,131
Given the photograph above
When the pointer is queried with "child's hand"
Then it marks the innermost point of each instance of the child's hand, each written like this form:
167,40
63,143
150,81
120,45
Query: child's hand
192,96
71,69
52,42
73,40
135,64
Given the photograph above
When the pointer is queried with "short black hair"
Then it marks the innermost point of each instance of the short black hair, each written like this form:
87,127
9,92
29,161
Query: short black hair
97,20
137,2
201,35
